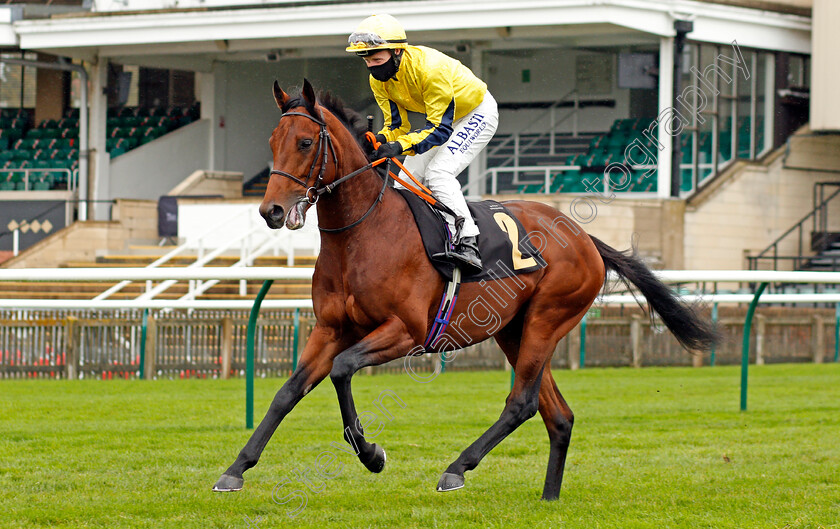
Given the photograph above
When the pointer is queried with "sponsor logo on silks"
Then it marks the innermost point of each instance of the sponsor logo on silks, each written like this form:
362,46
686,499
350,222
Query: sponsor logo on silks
461,140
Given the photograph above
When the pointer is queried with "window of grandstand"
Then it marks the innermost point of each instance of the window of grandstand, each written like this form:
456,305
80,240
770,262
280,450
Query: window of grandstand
739,121
133,87
17,83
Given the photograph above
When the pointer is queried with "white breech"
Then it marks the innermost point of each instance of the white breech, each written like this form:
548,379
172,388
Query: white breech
439,167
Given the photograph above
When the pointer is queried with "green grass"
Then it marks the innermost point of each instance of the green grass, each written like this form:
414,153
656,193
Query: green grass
651,448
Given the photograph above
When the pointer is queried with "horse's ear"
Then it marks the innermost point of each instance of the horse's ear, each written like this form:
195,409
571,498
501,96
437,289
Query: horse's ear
308,93
280,97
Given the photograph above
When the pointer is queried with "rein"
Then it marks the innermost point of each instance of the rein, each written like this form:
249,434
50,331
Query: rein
325,147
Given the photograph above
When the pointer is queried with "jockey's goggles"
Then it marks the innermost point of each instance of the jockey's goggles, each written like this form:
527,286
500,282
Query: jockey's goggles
363,44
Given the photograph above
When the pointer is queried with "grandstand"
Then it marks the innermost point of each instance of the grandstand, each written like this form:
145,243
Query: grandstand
42,157
676,124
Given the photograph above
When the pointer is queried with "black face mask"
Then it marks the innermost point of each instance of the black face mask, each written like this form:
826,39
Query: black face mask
384,71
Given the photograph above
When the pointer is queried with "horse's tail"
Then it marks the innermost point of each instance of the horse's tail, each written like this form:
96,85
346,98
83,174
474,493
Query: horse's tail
693,331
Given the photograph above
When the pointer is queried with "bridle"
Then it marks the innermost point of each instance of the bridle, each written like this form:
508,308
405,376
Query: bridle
318,188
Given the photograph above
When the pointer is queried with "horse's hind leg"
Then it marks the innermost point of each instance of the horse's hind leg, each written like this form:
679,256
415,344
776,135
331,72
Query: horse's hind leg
521,405
558,420
539,337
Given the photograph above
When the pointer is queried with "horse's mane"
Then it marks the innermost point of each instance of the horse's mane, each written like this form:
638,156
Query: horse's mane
351,119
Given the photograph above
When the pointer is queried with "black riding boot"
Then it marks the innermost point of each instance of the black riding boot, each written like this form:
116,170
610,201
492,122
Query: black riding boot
466,255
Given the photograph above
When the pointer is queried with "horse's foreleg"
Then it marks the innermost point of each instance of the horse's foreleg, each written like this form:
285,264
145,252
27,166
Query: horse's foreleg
314,366
389,341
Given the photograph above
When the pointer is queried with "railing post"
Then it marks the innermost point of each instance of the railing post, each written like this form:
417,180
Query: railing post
71,358
227,347
761,327
583,342
714,322
295,339
574,346
836,332
16,242
818,338
636,339
745,349
151,348
249,355
141,369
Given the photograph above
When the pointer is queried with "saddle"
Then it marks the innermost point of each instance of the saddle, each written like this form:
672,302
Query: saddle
505,250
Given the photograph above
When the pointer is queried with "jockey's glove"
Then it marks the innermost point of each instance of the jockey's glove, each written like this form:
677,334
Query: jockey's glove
388,150
379,139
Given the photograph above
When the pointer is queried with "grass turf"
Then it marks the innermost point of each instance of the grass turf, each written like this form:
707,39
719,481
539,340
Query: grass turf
651,448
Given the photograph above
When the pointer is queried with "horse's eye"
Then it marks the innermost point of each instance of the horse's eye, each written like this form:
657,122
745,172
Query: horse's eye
305,145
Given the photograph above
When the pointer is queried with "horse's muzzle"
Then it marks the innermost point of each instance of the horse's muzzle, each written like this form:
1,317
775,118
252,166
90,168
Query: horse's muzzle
273,214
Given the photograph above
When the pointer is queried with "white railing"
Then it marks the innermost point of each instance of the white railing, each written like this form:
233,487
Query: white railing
71,185
546,178
196,242
152,274
265,273
251,237
546,171
198,288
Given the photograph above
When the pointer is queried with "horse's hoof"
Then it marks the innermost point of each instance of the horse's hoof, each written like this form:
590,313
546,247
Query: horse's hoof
228,483
449,482
377,462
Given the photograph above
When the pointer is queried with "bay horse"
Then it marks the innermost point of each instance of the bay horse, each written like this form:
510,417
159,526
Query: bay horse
375,293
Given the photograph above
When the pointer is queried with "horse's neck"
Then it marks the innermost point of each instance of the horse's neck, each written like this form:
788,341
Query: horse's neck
352,199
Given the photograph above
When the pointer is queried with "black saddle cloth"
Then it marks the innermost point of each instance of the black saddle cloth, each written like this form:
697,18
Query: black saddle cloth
494,243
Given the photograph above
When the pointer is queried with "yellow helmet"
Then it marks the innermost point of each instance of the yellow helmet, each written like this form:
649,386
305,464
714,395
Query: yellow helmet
377,32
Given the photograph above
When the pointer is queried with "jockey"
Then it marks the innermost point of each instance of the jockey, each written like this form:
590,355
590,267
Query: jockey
461,117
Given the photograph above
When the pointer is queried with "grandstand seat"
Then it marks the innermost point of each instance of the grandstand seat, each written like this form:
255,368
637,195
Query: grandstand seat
565,181
11,134
531,188
68,123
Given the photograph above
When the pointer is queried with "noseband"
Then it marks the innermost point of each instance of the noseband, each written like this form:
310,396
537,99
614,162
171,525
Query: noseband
318,188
